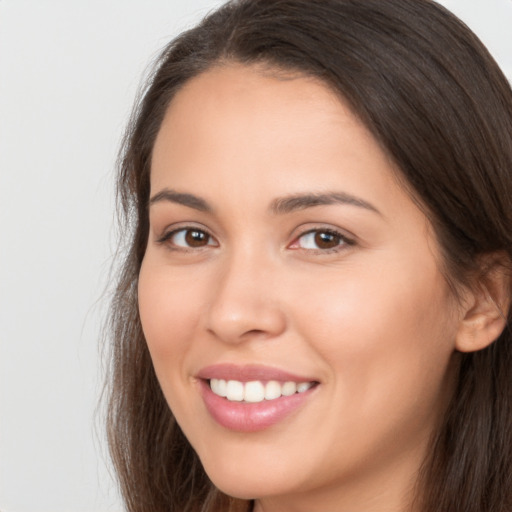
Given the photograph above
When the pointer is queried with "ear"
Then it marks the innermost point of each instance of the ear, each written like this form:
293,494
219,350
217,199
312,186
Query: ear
486,305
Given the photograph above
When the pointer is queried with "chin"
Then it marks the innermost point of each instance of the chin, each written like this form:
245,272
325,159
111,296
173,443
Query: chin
247,483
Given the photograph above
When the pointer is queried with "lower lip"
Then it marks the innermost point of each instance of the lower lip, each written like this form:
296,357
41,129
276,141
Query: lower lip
251,417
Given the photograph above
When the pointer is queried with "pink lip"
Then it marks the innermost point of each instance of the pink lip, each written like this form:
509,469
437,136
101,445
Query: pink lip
247,373
250,417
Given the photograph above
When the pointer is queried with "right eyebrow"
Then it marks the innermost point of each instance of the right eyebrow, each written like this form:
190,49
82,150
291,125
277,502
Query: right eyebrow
189,200
296,202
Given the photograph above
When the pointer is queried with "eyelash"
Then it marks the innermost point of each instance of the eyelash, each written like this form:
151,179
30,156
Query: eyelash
342,240
167,238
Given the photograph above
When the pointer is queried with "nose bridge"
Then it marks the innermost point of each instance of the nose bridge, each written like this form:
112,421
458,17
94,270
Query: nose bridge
245,300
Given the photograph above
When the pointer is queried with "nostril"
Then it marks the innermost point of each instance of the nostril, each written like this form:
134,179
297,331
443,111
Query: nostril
255,333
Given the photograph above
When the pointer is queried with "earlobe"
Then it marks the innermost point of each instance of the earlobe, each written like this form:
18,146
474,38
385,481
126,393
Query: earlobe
487,308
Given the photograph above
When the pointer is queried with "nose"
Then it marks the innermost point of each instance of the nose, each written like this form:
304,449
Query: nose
245,302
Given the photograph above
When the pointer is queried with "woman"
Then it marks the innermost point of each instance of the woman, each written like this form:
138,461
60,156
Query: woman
313,310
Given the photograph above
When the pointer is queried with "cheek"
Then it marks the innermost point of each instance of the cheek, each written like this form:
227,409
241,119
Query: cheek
383,332
387,341
169,314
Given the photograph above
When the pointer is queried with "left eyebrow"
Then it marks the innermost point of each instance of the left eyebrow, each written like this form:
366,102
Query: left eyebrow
296,202
190,200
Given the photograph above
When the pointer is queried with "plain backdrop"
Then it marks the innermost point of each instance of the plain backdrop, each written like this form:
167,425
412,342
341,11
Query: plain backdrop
69,72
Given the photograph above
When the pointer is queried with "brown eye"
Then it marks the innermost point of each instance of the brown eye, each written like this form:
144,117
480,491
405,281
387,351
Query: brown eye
325,240
196,238
321,240
189,238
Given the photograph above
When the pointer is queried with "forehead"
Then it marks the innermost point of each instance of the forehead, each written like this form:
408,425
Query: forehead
243,119
245,100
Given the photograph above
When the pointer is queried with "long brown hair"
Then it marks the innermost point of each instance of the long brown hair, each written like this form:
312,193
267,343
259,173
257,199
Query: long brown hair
437,102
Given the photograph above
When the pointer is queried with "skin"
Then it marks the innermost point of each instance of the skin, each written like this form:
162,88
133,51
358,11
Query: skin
372,319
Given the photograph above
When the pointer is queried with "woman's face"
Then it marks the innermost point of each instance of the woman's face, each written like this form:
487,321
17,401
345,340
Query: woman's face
283,250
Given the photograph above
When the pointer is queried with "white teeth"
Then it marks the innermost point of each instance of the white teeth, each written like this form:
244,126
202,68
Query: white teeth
272,390
235,391
303,386
255,391
289,388
218,386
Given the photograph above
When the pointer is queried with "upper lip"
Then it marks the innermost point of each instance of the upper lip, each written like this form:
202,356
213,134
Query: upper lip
247,373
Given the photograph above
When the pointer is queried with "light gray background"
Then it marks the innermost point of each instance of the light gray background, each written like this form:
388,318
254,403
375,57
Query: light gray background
69,71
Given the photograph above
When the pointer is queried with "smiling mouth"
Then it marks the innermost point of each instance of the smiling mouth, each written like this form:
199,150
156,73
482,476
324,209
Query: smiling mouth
251,398
257,391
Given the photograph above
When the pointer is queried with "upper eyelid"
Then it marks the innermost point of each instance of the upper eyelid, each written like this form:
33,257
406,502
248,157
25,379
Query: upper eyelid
178,226
345,240
170,231
301,231
323,230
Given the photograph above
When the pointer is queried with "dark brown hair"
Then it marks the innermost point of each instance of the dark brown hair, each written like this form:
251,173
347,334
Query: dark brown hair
436,101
